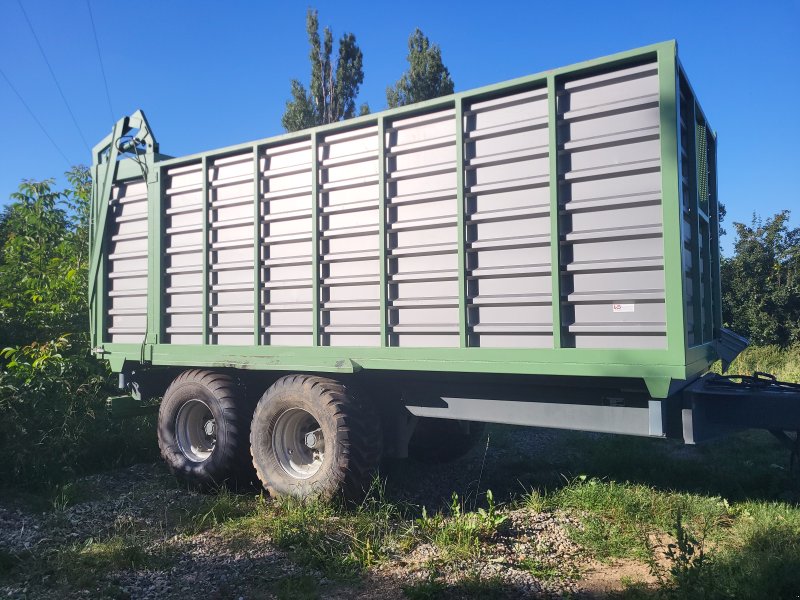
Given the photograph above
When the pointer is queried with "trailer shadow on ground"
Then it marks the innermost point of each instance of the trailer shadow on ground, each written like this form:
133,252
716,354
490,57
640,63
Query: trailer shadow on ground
511,460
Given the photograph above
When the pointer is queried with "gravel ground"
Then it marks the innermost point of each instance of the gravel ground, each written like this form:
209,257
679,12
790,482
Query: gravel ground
145,498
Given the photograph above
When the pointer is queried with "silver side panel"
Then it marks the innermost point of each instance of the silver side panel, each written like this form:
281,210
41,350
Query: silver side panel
612,250
422,235
285,245
349,238
183,244
230,249
507,190
610,243
127,263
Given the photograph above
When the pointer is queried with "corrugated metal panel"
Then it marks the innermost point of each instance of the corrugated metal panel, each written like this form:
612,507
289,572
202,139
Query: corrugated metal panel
610,190
349,238
421,225
127,263
230,249
286,248
183,243
509,288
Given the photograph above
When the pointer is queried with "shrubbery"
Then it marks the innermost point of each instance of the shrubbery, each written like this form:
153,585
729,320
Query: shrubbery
52,401
52,391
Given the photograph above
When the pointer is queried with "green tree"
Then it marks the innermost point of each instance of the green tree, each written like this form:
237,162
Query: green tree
333,89
761,282
426,77
43,261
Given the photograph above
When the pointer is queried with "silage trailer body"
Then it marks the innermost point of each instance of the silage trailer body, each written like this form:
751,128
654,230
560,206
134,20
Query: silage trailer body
542,251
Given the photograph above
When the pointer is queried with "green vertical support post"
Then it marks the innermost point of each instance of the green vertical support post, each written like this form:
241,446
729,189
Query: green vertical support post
670,203
461,211
98,265
101,283
315,299
694,223
93,331
382,216
555,235
205,205
256,249
705,254
716,287
155,277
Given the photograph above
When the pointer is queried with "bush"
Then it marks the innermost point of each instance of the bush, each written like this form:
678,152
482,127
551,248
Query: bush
55,426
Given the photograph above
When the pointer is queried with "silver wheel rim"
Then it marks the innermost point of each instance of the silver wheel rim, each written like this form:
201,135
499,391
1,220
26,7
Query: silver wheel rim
196,430
298,443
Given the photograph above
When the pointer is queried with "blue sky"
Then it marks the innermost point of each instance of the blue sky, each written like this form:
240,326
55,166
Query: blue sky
211,74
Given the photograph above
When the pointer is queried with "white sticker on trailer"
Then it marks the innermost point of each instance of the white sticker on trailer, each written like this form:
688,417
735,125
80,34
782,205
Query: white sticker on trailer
620,308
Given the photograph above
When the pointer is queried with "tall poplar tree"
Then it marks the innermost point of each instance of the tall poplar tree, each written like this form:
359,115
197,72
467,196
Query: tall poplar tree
333,88
426,77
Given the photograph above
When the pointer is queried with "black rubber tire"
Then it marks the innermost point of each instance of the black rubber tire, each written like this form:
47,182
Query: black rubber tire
443,440
351,429
229,464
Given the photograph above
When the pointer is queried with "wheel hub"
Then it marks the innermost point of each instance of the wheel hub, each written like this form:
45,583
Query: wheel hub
196,430
314,439
298,443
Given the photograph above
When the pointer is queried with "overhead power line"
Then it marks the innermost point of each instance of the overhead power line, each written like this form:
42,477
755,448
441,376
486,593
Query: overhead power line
33,116
100,58
53,75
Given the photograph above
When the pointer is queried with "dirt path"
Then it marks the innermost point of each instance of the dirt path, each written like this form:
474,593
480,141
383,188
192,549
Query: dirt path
133,533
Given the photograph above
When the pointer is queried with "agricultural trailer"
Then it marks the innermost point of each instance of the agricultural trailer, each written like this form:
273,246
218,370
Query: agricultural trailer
542,252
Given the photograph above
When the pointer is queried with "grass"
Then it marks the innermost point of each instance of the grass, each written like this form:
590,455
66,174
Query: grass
618,517
471,585
84,565
745,548
733,499
339,540
297,587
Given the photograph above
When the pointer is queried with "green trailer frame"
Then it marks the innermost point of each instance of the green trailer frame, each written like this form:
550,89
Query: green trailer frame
663,370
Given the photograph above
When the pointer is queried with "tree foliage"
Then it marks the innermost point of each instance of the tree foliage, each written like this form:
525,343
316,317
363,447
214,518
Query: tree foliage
52,391
761,282
43,261
333,88
426,77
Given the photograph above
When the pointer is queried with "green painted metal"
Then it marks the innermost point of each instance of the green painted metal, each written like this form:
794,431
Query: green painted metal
461,230
671,219
256,249
106,170
657,367
206,207
453,360
384,300
694,223
713,217
315,275
555,235
155,257
716,289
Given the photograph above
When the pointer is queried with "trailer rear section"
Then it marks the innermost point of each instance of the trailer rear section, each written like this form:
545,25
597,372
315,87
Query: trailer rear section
542,251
